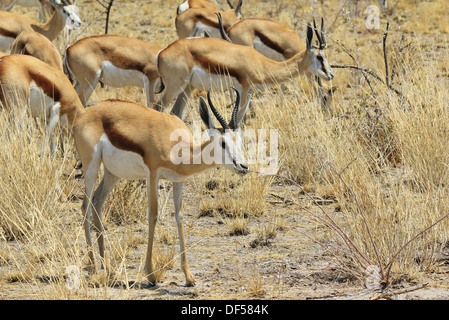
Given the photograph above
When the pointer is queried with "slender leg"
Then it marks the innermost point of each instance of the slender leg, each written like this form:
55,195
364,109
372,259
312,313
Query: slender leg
107,184
177,197
152,192
89,181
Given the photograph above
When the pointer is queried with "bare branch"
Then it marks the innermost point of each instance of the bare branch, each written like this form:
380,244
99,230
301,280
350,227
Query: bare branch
107,5
387,80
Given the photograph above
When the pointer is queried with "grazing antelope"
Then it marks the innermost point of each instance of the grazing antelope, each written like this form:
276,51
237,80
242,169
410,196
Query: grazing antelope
114,60
135,142
268,37
12,24
203,63
193,22
29,84
187,4
34,44
42,5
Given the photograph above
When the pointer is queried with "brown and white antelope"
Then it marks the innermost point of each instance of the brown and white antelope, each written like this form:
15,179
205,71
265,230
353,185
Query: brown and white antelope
34,44
114,60
43,6
135,142
203,63
28,84
194,22
11,24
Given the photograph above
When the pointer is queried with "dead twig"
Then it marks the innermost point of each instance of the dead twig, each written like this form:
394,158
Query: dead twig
384,40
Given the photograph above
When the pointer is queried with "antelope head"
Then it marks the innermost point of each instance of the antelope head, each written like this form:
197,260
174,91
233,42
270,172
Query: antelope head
67,10
318,61
227,142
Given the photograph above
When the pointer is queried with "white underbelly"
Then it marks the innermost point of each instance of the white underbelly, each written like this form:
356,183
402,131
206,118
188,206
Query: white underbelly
267,51
122,163
117,77
5,43
204,80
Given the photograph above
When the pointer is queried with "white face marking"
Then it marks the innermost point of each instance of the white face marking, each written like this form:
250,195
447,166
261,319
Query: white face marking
233,155
70,17
317,62
117,77
121,163
202,79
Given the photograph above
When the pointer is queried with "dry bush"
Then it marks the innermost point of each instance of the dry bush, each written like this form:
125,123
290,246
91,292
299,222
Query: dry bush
382,157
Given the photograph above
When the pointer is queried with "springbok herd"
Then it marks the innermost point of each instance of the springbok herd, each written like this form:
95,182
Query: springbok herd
133,141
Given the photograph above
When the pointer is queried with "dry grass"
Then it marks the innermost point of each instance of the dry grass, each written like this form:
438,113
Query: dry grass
378,164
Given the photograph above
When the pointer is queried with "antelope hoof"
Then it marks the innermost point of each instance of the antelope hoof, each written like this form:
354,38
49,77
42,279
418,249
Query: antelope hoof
190,284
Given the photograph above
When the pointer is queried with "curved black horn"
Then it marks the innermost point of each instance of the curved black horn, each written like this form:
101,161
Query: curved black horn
215,112
317,33
223,33
323,40
233,123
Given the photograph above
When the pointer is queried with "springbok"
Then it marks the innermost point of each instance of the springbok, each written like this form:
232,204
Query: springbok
203,63
34,44
11,24
28,84
135,142
114,60
271,39
193,22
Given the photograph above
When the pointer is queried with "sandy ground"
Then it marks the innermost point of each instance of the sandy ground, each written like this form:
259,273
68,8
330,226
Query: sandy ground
237,267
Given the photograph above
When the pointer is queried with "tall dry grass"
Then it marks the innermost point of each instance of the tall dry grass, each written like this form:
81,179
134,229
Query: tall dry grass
382,160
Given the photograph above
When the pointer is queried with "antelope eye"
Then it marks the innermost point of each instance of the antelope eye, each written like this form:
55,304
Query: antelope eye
320,58
223,144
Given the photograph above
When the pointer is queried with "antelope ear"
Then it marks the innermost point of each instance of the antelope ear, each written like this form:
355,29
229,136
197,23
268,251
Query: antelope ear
309,43
205,114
